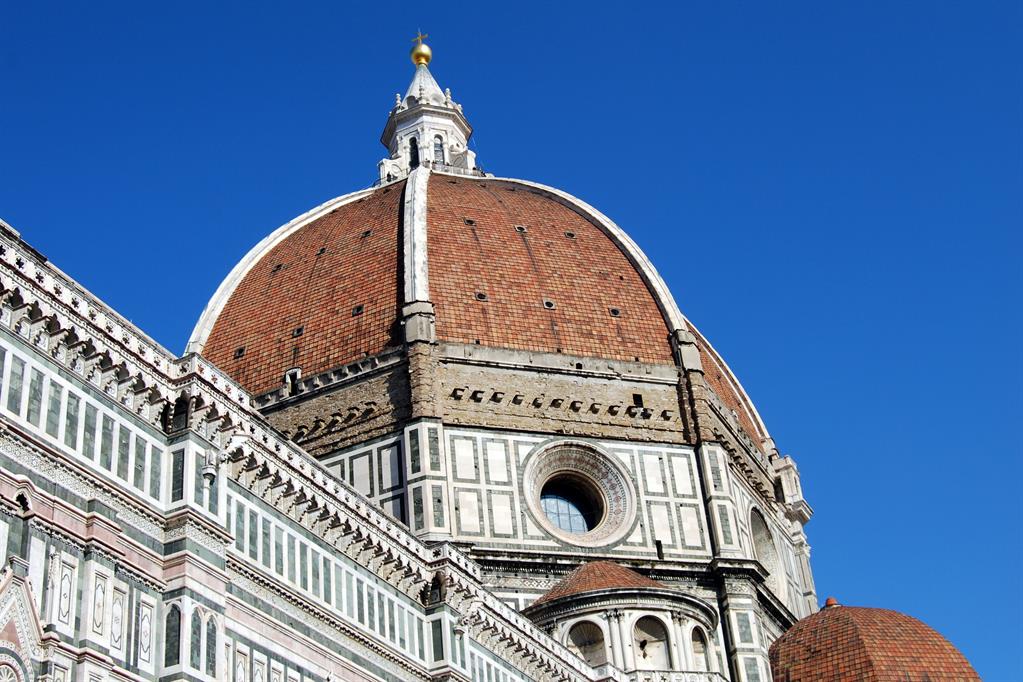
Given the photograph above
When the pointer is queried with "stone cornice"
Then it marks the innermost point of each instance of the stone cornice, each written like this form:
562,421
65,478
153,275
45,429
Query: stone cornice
668,599
259,585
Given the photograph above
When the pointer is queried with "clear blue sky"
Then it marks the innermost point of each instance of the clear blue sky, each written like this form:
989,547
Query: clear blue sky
832,191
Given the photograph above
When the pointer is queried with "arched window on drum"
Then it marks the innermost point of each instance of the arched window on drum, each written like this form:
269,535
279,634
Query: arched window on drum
413,153
586,640
438,149
650,642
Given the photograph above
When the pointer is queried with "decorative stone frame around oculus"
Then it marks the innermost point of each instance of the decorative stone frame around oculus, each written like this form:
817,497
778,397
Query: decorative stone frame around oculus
593,468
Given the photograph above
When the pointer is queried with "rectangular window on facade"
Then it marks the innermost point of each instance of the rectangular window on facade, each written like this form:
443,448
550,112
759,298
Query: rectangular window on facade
419,640
413,451
371,609
71,422
53,409
17,382
303,566
198,483
123,451
433,442
291,558
279,551
752,670
715,472
438,506
328,592
314,560
360,612
155,470
106,444
139,474
213,498
438,640
239,527
89,433
267,532
338,589
177,475
381,613
35,397
745,628
417,508
726,526
253,539
349,594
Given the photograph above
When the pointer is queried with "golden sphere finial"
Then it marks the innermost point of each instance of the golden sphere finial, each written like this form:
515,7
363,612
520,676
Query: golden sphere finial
421,52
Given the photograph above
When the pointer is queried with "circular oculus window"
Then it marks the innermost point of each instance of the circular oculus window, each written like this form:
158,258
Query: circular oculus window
579,494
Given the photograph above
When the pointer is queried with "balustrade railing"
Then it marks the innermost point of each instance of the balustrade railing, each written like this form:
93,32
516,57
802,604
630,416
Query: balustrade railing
673,676
441,167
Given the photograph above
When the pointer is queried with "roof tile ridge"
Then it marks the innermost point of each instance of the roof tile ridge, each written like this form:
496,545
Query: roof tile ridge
870,674
415,235
673,318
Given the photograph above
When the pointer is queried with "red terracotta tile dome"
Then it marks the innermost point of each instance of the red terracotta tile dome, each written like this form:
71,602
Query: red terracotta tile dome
596,576
509,264
325,293
856,643
551,276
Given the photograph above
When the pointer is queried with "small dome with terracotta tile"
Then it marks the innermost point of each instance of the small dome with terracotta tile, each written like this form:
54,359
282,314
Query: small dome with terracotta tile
858,643
598,576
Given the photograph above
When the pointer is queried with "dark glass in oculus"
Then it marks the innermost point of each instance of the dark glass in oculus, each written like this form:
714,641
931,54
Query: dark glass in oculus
571,504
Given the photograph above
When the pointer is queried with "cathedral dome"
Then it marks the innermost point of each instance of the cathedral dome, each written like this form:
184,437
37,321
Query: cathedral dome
500,263
849,642
509,266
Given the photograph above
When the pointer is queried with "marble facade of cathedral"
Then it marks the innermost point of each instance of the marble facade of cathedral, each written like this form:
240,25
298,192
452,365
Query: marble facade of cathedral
451,427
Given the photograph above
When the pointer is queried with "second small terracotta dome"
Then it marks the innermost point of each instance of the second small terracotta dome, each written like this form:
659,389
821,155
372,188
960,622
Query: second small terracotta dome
595,576
868,644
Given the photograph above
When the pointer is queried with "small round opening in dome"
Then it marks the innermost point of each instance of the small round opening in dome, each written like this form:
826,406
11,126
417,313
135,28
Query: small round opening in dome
572,503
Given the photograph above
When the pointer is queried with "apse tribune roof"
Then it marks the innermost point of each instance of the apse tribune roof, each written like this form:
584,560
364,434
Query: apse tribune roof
873,645
595,576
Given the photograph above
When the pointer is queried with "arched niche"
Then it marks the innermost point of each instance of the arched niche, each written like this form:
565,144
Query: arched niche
767,553
701,651
413,153
438,149
651,645
586,640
